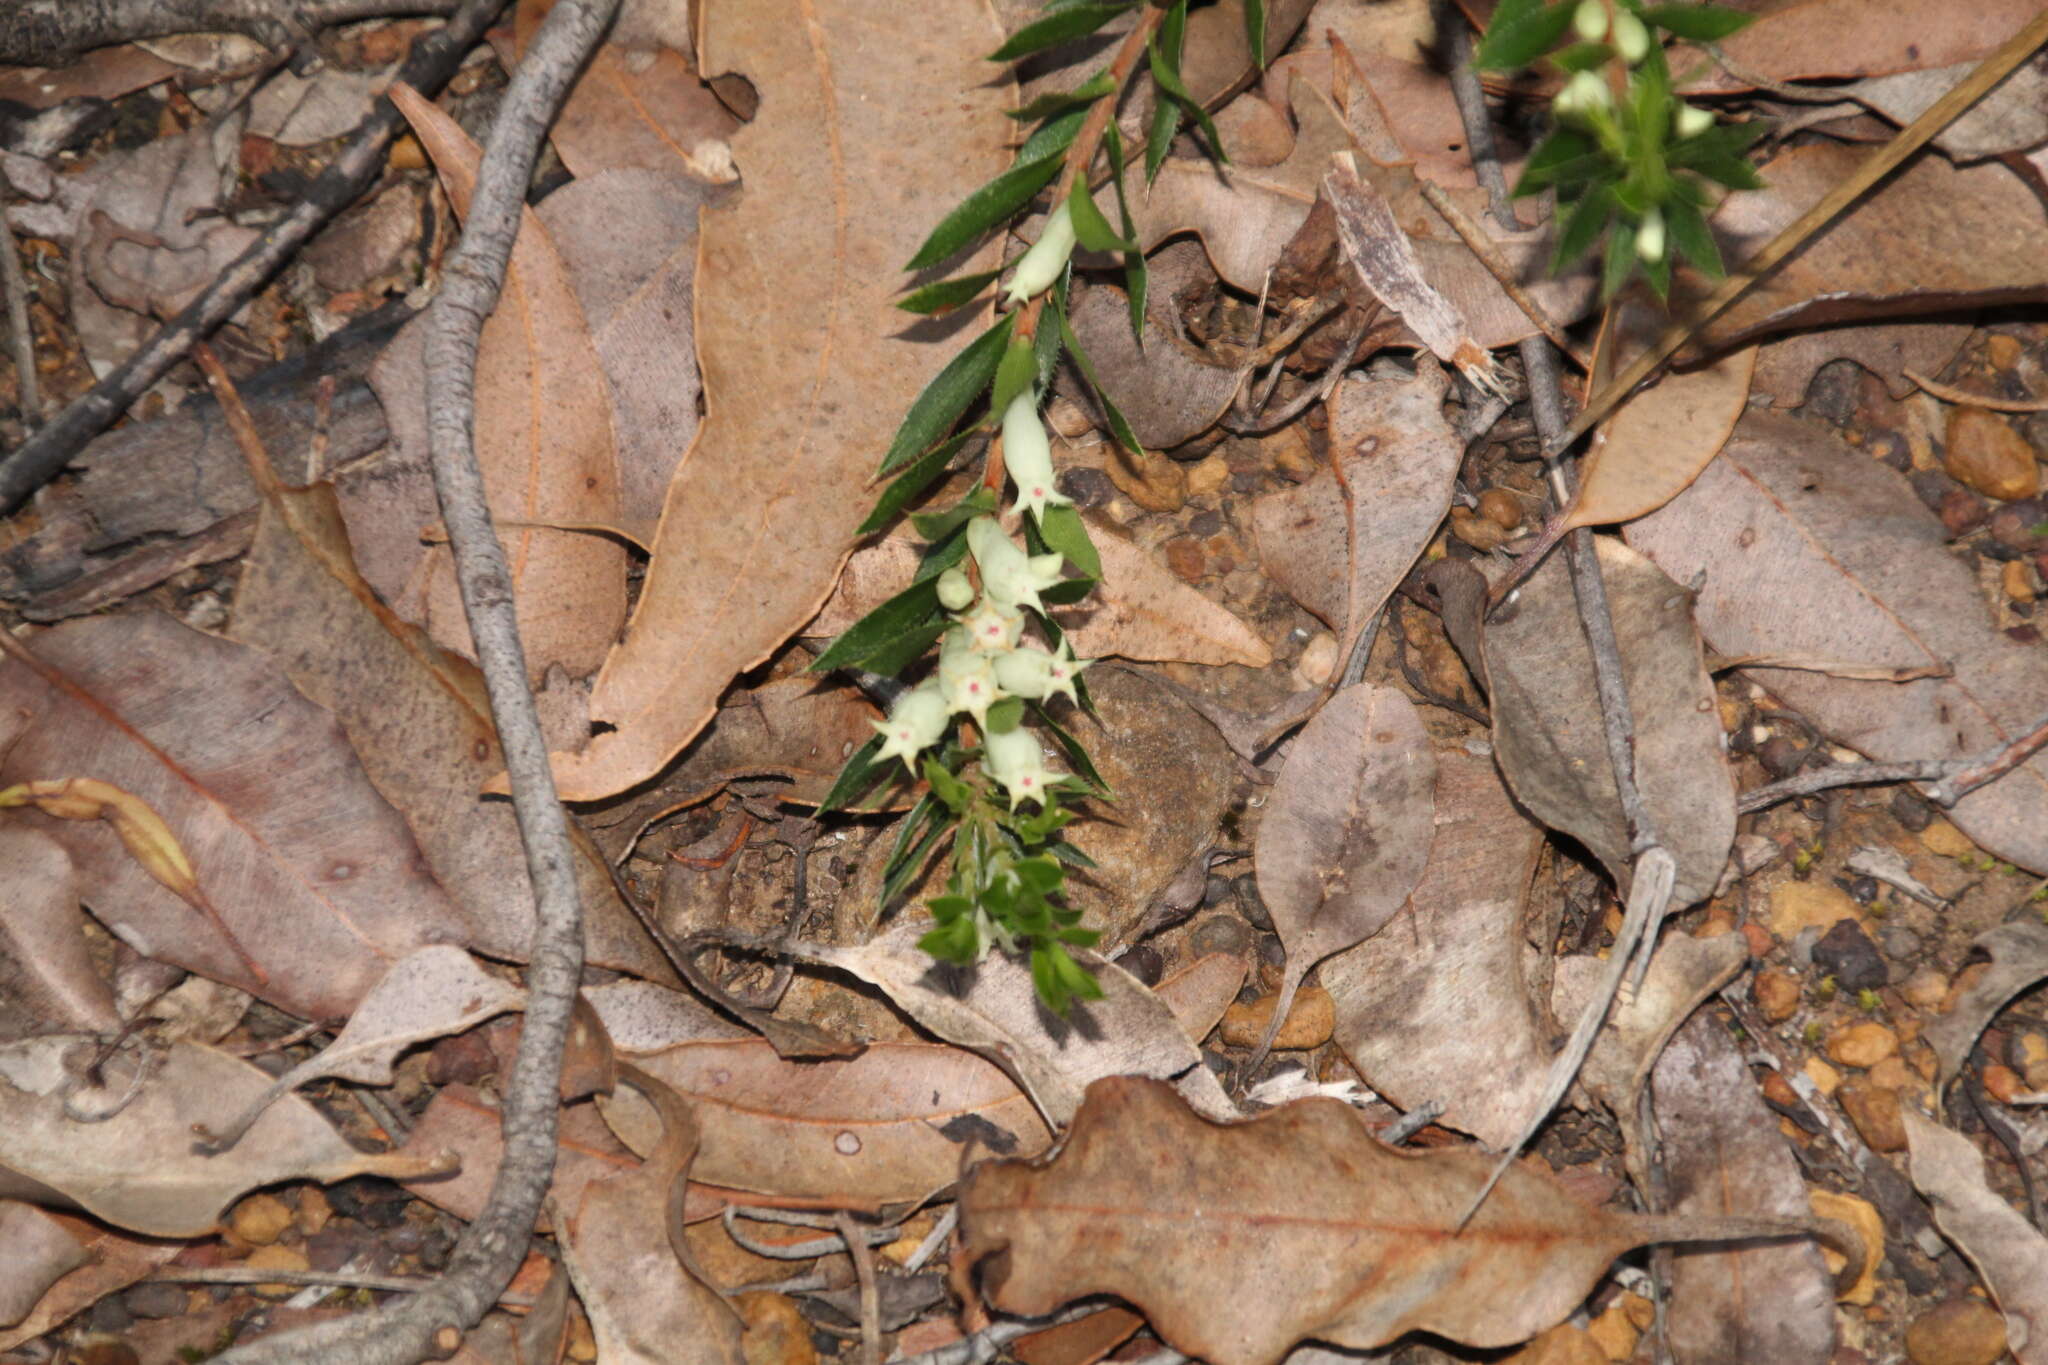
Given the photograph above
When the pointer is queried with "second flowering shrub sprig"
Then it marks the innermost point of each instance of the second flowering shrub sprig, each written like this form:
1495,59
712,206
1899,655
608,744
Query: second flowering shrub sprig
972,633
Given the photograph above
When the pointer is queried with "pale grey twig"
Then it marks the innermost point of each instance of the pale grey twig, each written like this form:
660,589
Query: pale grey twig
982,1347
432,1322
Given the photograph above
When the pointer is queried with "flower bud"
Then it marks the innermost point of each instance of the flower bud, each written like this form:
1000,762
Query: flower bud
1582,94
1650,237
1015,760
967,678
1631,38
1028,455
916,722
1036,675
1590,19
1009,577
955,592
1692,121
1042,264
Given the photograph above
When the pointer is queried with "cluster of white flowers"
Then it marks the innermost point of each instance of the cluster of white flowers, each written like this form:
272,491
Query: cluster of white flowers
984,656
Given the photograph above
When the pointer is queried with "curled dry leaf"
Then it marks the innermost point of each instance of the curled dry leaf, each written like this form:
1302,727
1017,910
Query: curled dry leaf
1235,1241
1163,388
1683,974
637,108
2019,958
47,980
1657,442
427,994
1723,1154
417,717
113,1261
795,289
315,879
1834,38
543,440
122,1150
2008,1251
993,1009
1399,461
622,1242
1346,833
1547,729
1811,548
40,1251
1931,239
1140,610
1440,993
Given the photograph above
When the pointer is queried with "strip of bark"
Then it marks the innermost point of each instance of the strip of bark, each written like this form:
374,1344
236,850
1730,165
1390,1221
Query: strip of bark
432,1322
53,32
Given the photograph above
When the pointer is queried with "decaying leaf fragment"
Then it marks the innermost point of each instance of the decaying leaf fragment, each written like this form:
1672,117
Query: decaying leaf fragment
129,1158
2019,958
1547,729
427,994
1346,835
1239,1240
794,293
1812,548
2008,1251
47,979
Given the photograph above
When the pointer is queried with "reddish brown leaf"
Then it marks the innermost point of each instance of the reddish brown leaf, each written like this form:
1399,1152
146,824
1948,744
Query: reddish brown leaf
1238,1240
313,877
543,440
796,281
1836,38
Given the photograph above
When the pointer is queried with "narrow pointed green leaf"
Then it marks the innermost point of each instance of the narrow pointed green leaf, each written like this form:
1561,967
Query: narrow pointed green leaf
905,487
1076,752
1136,279
908,612
1166,112
1051,137
993,203
936,526
963,380
1063,530
1046,344
1045,106
1255,31
1521,31
1091,229
1698,23
1168,80
1014,375
860,771
1621,261
1072,21
1582,226
1118,426
946,295
1690,236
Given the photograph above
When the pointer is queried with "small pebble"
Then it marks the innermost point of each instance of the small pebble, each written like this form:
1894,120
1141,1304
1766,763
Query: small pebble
1926,988
1910,810
260,1219
1901,944
1221,934
1478,532
1319,660
777,1332
1781,756
1875,1112
2016,580
1308,1024
1216,890
464,1059
1862,1216
110,1315
1209,476
1946,841
1086,485
1563,1344
1184,556
1825,1078
1962,1331
313,1212
1803,905
156,1299
1501,507
1985,453
1615,1335
1145,963
1893,1074
103,1351
1932,486
1862,1045
1776,994
2002,351
2002,1083
1152,481
1962,512
276,1258
1250,903
1846,953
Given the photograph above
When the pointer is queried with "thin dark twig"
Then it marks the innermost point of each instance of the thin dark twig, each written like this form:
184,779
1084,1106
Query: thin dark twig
2008,1137
432,61
1649,896
1310,396
20,338
1953,778
491,1248
870,1293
